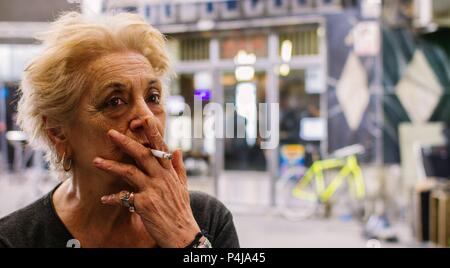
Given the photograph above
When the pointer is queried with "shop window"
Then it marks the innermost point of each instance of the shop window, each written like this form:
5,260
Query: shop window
243,149
168,10
231,5
278,3
254,44
185,89
304,42
253,8
194,49
297,108
209,7
255,3
148,11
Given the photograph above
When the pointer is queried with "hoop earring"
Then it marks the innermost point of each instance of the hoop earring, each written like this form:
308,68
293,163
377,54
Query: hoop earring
66,169
58,159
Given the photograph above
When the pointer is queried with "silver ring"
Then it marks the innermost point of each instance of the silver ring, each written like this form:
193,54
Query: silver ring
127,200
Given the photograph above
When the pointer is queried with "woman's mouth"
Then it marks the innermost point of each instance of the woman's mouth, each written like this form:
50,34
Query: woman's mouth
146,145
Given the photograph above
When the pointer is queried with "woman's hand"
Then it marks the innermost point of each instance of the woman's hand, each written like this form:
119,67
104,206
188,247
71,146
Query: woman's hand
162,199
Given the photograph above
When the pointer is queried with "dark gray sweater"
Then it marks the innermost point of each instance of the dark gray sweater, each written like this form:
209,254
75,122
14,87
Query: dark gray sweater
38,225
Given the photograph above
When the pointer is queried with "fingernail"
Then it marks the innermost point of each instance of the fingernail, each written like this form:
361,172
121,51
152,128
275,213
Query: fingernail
104,199
98,161
113,133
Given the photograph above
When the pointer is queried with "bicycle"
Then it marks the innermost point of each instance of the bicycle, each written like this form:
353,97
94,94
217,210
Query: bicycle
301,197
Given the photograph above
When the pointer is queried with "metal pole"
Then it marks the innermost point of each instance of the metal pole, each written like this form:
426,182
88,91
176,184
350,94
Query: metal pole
272,89
218,163
379,118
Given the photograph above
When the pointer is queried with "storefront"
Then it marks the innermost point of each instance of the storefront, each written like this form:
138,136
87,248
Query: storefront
241,54
242,59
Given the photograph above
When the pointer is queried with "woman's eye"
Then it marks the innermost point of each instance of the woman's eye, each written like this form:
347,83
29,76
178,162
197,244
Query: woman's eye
114,102
154,98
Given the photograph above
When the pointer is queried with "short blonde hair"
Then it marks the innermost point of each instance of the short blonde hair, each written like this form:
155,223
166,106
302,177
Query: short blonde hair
53,82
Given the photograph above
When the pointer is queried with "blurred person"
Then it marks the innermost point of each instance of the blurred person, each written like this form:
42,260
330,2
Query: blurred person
93,101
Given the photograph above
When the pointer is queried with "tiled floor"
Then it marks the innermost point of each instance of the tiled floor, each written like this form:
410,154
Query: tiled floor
247,197
272,231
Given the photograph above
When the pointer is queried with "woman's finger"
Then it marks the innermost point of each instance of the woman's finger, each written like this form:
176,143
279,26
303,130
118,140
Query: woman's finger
178,165
112,200
152,129
139,152
130,173
116,199
153,133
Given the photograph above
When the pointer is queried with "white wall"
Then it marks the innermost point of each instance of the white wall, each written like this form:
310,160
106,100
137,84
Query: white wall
13,60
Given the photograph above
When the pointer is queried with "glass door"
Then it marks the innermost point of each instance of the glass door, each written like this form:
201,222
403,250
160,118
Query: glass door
245,178
301,126
187,91
242,144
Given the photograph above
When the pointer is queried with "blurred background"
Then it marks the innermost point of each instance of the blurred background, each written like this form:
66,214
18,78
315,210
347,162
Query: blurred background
362,87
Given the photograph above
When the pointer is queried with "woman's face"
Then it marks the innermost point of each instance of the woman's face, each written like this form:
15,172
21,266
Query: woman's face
122,88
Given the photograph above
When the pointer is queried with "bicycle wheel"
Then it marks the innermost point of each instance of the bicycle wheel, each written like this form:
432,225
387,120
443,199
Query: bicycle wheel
289,206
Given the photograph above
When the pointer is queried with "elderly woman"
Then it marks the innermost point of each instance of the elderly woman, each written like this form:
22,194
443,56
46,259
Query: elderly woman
93,100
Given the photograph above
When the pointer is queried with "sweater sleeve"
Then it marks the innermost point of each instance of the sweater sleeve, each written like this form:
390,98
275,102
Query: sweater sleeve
226,235
213,217
4,243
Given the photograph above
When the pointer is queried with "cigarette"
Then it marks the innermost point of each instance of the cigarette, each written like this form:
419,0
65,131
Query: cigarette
161,154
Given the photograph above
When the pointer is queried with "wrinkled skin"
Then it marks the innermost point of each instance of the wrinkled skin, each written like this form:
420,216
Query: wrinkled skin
119,118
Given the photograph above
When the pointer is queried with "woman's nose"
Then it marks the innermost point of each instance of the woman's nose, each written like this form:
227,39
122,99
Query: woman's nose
141,112
137,124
